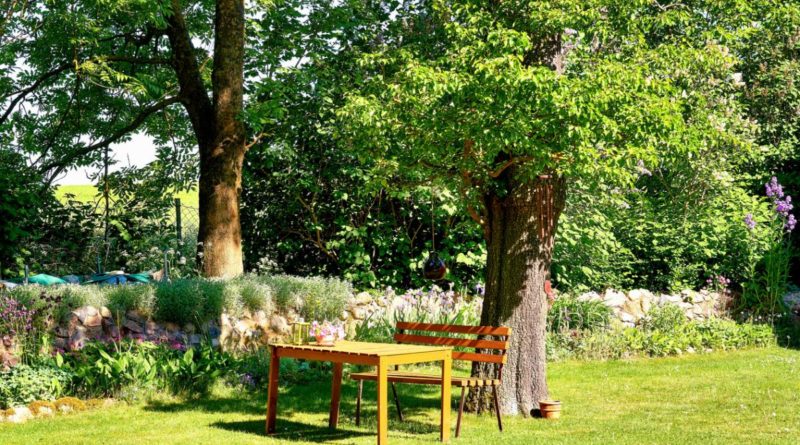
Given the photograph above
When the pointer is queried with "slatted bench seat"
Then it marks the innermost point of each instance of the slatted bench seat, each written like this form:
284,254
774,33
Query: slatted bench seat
486,351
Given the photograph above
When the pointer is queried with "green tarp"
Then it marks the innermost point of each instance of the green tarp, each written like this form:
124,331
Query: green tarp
45,280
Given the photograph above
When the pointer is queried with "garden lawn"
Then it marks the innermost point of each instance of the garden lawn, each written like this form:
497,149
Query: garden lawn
750,396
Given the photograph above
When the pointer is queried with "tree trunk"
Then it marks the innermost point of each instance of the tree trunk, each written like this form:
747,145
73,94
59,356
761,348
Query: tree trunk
520,243
220,133
221,162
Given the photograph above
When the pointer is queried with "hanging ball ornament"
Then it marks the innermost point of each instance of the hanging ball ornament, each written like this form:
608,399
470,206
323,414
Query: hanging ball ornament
434,267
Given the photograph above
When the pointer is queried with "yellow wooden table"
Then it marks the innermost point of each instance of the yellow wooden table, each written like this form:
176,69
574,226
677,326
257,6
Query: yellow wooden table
381,355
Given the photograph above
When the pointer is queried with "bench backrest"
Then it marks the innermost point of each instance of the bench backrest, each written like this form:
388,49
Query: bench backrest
486,351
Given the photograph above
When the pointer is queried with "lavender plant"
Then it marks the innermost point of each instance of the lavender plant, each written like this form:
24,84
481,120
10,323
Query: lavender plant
16,324
418,305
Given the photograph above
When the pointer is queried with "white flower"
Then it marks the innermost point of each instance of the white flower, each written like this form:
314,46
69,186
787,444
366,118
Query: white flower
182,260
200,254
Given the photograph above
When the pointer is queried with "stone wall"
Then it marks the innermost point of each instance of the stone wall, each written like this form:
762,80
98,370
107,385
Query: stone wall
254,329
632,306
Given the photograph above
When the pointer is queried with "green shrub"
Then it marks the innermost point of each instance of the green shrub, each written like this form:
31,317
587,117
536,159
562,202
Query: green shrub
74,296
24,384
666,318
179,302
664,336
213,295
255,296
315,298
569,313
121,299
128,369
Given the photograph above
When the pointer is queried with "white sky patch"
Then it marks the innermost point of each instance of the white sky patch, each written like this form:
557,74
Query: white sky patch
137,152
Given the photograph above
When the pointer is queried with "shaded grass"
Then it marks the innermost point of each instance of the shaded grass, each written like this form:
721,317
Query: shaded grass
750,396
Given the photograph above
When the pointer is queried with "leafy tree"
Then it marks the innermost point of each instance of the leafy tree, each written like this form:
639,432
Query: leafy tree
336,216
80,76
526,99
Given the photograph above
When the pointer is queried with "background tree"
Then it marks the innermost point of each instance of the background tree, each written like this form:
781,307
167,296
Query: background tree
524,100
80,76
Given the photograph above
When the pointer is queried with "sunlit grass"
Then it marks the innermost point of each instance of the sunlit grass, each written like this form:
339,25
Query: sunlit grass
89,193
722,398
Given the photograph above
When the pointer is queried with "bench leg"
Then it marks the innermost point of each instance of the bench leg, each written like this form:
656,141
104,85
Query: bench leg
397,402
358,402
460,411
497,409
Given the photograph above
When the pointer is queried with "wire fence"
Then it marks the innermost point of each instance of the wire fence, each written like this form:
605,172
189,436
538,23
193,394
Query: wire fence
187,220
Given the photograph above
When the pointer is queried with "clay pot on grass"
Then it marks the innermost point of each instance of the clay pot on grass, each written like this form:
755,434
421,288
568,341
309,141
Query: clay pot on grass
550,409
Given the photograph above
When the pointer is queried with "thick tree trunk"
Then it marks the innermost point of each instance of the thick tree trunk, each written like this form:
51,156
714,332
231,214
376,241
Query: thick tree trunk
520,242
220,133
221,162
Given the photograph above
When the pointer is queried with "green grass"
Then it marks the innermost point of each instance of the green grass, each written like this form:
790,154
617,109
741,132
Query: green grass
750,396
89,193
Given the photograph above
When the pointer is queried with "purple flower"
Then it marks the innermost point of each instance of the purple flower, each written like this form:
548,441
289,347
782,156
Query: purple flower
749,222
791,222
784,207
480,289
773,188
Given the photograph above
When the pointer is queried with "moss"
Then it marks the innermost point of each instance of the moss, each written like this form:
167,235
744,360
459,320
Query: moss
36,407
71,402
95,403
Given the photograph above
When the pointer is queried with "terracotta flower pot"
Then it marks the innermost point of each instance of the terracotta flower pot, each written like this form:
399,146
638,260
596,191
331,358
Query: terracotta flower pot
325,340
551,409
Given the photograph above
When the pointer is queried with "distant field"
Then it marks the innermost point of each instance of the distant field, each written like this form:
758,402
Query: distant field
89,193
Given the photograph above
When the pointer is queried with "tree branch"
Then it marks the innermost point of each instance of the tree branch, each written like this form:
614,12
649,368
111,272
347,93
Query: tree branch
117,135
496,174
24,92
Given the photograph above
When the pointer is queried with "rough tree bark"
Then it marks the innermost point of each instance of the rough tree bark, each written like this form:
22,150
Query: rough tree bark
220,133
521,229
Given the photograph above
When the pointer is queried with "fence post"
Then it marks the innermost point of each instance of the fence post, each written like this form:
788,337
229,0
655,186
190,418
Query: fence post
178,226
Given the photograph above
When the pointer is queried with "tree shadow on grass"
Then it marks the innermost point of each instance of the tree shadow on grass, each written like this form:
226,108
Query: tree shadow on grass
312,400
244,405
290,430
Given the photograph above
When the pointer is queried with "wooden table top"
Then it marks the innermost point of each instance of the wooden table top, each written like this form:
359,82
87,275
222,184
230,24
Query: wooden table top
365,348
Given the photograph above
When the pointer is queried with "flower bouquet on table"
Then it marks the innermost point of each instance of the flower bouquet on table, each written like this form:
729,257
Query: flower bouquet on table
327,333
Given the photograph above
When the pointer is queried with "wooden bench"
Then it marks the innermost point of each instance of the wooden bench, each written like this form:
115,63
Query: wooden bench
486,351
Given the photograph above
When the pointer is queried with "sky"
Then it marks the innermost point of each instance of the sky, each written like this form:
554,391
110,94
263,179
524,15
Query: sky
139,151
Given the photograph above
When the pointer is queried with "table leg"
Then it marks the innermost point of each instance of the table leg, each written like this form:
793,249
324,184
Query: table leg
272,393
336,390
447,364
383,404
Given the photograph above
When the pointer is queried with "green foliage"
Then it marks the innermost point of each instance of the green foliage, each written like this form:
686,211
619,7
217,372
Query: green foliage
183,301
256,296
121,299
665,331
131,369
196,301
667,319
569,313
24,384
417,305
315,298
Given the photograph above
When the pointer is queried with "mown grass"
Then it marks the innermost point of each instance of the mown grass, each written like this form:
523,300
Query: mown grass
750,396
89,193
